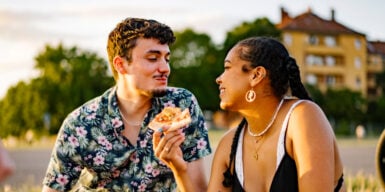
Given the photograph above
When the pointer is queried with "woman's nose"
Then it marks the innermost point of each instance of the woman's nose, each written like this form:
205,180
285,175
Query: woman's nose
218,79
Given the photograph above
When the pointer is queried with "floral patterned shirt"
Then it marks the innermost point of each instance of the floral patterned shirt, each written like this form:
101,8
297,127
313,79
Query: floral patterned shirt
90,138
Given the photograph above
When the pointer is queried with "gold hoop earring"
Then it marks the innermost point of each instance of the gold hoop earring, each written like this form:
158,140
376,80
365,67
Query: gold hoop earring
250,95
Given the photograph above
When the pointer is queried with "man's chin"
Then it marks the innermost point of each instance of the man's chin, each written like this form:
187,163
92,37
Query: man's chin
160,92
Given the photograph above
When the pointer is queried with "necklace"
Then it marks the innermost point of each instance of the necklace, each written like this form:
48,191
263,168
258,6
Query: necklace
270,123
255,155
135,124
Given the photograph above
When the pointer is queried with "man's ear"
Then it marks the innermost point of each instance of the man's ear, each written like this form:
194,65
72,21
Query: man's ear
257,75
119,64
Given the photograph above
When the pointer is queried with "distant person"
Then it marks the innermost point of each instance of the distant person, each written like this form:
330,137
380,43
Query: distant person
109,136
283,143
360,132
7,165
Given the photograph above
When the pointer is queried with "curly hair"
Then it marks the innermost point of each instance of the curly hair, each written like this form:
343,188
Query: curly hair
122,39
282,69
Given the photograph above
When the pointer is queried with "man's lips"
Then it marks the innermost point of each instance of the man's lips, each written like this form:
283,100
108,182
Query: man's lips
162,78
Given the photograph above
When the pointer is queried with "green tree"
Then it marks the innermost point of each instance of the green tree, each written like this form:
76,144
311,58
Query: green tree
258,27
345,107
316,94
195,66
67,78
376,110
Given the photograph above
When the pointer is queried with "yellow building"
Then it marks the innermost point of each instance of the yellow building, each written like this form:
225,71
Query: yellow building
329,54
376,63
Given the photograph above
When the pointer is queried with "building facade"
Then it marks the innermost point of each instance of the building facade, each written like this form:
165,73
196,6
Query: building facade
329,54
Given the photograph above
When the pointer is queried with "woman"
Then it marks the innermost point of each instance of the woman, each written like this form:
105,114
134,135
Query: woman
283,143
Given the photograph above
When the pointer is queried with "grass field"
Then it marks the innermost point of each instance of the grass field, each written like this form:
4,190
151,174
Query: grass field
359,182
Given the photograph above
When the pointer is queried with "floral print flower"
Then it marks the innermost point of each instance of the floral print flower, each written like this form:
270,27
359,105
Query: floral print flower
62,179
73,141
98,160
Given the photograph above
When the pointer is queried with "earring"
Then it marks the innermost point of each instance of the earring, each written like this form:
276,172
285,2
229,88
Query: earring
250,95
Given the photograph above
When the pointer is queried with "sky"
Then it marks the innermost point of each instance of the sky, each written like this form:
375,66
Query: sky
26,26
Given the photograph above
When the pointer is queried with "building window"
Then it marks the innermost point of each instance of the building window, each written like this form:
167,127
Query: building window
310,60
357,43
357,62
330,61
314,60
330,80
330,41
313,40
287,39
358,82
311,79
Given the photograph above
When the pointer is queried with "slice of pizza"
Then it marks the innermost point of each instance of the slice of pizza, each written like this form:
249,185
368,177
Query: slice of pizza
172,117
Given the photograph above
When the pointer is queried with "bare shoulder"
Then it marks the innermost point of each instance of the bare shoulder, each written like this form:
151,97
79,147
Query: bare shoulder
227,138
307,115
308,109
224,146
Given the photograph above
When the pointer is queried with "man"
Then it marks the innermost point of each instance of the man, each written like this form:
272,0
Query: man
108,137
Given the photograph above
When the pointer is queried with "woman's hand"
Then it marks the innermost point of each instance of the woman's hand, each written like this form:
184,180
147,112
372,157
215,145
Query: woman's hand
166,146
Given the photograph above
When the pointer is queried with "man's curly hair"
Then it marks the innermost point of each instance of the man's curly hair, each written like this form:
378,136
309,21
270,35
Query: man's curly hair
122,39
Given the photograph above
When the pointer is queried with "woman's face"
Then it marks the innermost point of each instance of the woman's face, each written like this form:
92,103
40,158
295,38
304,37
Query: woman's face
233,82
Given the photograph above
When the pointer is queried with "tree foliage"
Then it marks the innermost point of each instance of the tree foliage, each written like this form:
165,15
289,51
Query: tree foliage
345,105
67,78
258,27
195,65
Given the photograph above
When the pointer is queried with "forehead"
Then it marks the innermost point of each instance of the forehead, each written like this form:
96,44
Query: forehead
144,46
233,54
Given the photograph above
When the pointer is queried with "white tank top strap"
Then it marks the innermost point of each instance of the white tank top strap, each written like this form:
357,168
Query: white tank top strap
281,139
238,158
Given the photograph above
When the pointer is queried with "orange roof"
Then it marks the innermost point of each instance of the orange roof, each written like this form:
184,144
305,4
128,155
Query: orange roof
310,22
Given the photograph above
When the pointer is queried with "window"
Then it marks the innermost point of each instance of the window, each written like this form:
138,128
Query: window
287,39
313,40
310,60
314,60
357,43
330,80
358,82
330,61
311,79
357,62
330,41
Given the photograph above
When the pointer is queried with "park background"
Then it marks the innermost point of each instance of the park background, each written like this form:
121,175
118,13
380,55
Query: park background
53,59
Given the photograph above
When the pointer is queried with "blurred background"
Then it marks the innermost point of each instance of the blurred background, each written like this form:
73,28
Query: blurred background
53,59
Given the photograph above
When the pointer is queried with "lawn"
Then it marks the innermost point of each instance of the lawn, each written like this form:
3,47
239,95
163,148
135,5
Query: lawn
357,182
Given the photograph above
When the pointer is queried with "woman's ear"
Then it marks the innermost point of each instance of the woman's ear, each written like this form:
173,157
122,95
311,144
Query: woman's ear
119,64
257,75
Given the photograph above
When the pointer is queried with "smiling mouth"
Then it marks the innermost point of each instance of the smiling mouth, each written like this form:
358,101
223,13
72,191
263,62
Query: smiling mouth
221,91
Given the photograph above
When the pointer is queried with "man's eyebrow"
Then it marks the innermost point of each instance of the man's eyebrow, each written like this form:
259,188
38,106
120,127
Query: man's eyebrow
157,52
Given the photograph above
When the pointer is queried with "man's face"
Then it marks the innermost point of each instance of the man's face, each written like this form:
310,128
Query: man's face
149,69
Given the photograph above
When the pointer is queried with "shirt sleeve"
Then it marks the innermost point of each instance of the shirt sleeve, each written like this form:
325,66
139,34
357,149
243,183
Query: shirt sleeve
64,168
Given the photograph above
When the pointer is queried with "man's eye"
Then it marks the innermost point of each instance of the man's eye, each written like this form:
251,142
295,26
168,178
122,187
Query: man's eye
152,59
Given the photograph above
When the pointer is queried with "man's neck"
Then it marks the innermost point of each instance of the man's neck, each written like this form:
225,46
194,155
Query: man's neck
132,103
